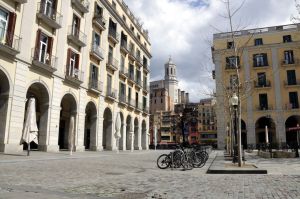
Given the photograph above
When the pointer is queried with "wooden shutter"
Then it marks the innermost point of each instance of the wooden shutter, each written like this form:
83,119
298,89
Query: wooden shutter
77,61
265,59
11,29
49,49
37,44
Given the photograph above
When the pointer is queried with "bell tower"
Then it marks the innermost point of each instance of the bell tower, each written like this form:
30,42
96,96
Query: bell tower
171,82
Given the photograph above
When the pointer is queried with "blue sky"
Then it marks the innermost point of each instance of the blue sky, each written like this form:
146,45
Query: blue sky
184,29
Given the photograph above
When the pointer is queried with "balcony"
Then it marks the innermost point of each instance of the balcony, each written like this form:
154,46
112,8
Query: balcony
231,67
49,15
264,108
123,72
122,99
99,21
292,107
138,107
146,68
21,1
290,62
124,47
97,52
138,83
95,86
130,103
113,36
42,60
76,36
112,63
131,54
131,78
138,60
146,109
81,5
146,88
74,75
294,83
10,43
111,94
266,84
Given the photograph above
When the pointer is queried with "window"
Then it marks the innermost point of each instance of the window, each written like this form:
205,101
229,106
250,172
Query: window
131,71
110,54
136,99
7,26
144,102
129,94
139,36
260,60
287,38
112,29
258,42
94,72
291,77
72,64
109,84
232,61
294,103
288,57
230,45
122,91
161,100
263,101
233,80
98,10
124,18
96,39
145,61
75,25
262,79
122,63
43,48
138,76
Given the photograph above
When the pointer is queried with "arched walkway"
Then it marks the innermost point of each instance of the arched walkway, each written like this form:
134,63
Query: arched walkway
90,126
39,92
260,129
244,134
107,130
136,134
144,135
128,139
4,94
291,129
68,110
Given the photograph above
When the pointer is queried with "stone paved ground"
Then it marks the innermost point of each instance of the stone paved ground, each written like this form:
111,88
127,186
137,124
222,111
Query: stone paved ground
135,175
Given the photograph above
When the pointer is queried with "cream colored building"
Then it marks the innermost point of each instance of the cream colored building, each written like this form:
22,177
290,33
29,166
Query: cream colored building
268,59
87,59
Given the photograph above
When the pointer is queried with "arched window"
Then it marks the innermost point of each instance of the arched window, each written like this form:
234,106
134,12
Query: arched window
171,71
167,71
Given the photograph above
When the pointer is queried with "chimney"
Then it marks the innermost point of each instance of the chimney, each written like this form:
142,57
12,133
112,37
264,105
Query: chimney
187,100
182,97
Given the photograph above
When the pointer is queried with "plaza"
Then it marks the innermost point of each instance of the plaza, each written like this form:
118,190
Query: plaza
135,175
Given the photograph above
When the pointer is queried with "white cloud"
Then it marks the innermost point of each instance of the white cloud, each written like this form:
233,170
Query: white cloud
184,29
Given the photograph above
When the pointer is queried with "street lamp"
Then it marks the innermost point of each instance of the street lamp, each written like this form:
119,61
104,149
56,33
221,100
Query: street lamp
234,101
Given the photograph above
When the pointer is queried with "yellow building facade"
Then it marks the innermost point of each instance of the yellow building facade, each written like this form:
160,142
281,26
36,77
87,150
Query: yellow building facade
269,69
83,59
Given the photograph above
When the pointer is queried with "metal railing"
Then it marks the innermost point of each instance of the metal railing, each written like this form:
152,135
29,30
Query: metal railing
112,93
74,73
124,45
96,84
113,62
131,102
75,32
123,70
131,76
291,106
99,19
262,84
9,39
43,57
122,98
138,81
264,107
290,61
113,33
292,83
50,12
98,51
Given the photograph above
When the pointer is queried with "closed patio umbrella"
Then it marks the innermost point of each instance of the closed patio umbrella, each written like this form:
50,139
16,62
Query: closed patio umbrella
30,129
71,134
267,134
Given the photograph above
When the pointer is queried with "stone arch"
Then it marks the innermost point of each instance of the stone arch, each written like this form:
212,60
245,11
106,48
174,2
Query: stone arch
144,135
107,129
68,109
90,126
260,125
128,131
40,92
136,134
292,124
4,98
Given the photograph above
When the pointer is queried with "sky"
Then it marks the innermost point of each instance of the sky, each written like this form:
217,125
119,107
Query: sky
183,29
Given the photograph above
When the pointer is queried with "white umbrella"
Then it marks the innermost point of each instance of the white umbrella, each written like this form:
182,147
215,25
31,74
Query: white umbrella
71,134
118,128
30,129
267,134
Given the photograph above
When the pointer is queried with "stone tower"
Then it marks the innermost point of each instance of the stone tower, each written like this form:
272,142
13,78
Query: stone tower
171,82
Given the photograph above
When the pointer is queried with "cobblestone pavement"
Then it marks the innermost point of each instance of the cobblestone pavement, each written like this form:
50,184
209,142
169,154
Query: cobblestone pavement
135,175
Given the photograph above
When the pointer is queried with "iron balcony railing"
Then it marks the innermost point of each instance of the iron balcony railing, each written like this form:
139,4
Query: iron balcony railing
123,98
131,102
98,51
111,61
112,93
79,35
44,58
49,12
98,18
138,81
264,107
292,82
123,71
131,76
74,73
82,5
290,61
124,46
113,33
9,39
262,84
132,51
292,106
96,84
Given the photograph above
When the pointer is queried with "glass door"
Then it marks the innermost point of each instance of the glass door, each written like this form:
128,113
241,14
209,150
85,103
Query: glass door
43,49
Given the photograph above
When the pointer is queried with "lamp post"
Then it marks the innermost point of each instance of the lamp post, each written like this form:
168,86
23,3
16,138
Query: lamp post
234,102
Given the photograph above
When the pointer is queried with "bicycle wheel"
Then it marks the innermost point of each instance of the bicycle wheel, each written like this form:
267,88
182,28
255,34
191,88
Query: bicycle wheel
187,162
163,161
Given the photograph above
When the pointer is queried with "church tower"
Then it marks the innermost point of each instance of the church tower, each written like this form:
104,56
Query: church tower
171,82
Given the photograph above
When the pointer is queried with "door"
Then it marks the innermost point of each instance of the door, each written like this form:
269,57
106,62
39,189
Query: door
262,79
263,101
291,77
43,48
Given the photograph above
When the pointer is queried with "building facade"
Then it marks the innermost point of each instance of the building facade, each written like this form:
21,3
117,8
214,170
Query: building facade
80,59
268,62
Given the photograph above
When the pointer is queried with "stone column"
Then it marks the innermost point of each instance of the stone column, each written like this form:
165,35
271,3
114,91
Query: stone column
93,133
140,135
123,144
